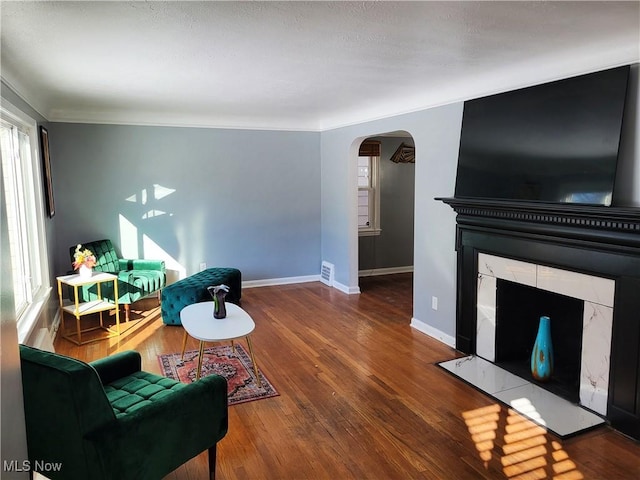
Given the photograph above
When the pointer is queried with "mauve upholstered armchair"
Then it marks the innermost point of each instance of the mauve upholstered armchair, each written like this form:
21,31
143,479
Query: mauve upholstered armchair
110,420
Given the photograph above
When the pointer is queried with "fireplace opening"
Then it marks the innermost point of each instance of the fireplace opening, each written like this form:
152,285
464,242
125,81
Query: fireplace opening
518,311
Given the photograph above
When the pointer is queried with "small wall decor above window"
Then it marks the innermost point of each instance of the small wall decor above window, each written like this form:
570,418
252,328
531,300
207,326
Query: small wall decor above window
404,154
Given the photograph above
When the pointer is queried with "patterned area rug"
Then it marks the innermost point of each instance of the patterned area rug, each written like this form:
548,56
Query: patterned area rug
234,365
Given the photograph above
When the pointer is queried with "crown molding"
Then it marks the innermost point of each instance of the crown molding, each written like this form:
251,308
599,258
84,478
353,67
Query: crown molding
172,119
35,101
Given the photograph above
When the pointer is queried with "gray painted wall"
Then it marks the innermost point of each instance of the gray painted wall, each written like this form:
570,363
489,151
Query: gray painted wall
243,198
436,134
394,246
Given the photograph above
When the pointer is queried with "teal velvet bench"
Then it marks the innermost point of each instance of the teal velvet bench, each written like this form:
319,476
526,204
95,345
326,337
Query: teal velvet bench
193,289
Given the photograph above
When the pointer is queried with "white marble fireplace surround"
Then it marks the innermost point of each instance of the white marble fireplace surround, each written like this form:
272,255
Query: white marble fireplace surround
597,294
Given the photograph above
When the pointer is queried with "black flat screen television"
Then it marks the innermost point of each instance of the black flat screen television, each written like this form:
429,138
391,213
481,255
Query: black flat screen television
556,142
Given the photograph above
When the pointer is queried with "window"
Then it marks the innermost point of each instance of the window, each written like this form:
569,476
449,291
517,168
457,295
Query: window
22,186
369,189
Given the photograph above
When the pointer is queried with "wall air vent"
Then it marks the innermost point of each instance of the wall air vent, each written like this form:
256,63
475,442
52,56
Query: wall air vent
326,273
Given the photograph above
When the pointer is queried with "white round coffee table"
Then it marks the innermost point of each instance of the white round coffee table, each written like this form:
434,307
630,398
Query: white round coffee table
198,321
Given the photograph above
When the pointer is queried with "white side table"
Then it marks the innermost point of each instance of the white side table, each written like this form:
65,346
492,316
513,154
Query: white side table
78,309
199,322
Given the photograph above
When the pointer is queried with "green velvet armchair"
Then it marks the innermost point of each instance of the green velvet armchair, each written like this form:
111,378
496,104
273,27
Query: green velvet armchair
137,278
110,420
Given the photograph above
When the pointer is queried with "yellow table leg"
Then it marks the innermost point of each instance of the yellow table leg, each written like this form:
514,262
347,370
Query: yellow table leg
200,360
184,344
78,330
64,328
253,360
116,306
77,314
100,298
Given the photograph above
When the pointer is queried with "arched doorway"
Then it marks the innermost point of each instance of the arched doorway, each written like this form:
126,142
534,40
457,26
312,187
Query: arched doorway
386,200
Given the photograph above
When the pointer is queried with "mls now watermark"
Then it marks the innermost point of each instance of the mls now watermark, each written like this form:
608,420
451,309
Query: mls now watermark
28,466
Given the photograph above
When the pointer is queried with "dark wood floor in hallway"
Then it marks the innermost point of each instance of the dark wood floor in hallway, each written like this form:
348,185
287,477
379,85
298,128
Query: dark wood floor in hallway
362,397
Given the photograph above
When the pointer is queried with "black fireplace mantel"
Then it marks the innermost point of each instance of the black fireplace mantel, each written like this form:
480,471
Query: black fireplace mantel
598,240
616,225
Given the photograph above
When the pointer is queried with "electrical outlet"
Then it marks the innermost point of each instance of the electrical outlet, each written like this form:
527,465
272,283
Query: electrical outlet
203,266
434,303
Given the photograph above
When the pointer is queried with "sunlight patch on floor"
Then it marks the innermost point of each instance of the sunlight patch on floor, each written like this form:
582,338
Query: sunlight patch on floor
521,447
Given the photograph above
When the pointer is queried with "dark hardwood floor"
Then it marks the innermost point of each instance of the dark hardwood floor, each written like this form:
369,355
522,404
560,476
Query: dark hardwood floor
362,397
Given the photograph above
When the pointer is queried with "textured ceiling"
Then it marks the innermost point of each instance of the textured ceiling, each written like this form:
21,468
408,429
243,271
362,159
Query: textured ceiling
295,65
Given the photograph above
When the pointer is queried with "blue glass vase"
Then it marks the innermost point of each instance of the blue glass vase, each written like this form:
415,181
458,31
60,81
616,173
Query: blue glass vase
542,354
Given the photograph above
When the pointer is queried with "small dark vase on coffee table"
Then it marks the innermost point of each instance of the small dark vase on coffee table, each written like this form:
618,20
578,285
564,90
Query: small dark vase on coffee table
219,293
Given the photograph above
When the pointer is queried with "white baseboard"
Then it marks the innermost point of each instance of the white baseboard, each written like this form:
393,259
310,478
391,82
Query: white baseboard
56,324
280,281
433,332
385,271
344,289
289,280
44,341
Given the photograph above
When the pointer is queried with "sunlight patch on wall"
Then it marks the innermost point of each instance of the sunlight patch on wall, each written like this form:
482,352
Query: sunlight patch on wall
175,270
158,192
128,238
135,243
129,245
153,213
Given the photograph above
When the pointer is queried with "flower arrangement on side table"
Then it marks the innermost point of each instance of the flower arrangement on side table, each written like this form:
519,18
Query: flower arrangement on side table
84,261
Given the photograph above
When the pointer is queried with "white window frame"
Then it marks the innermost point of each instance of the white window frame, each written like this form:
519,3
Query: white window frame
31,180
373,190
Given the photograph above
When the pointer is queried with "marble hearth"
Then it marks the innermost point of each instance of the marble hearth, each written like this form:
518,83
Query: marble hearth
558,415
597,293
